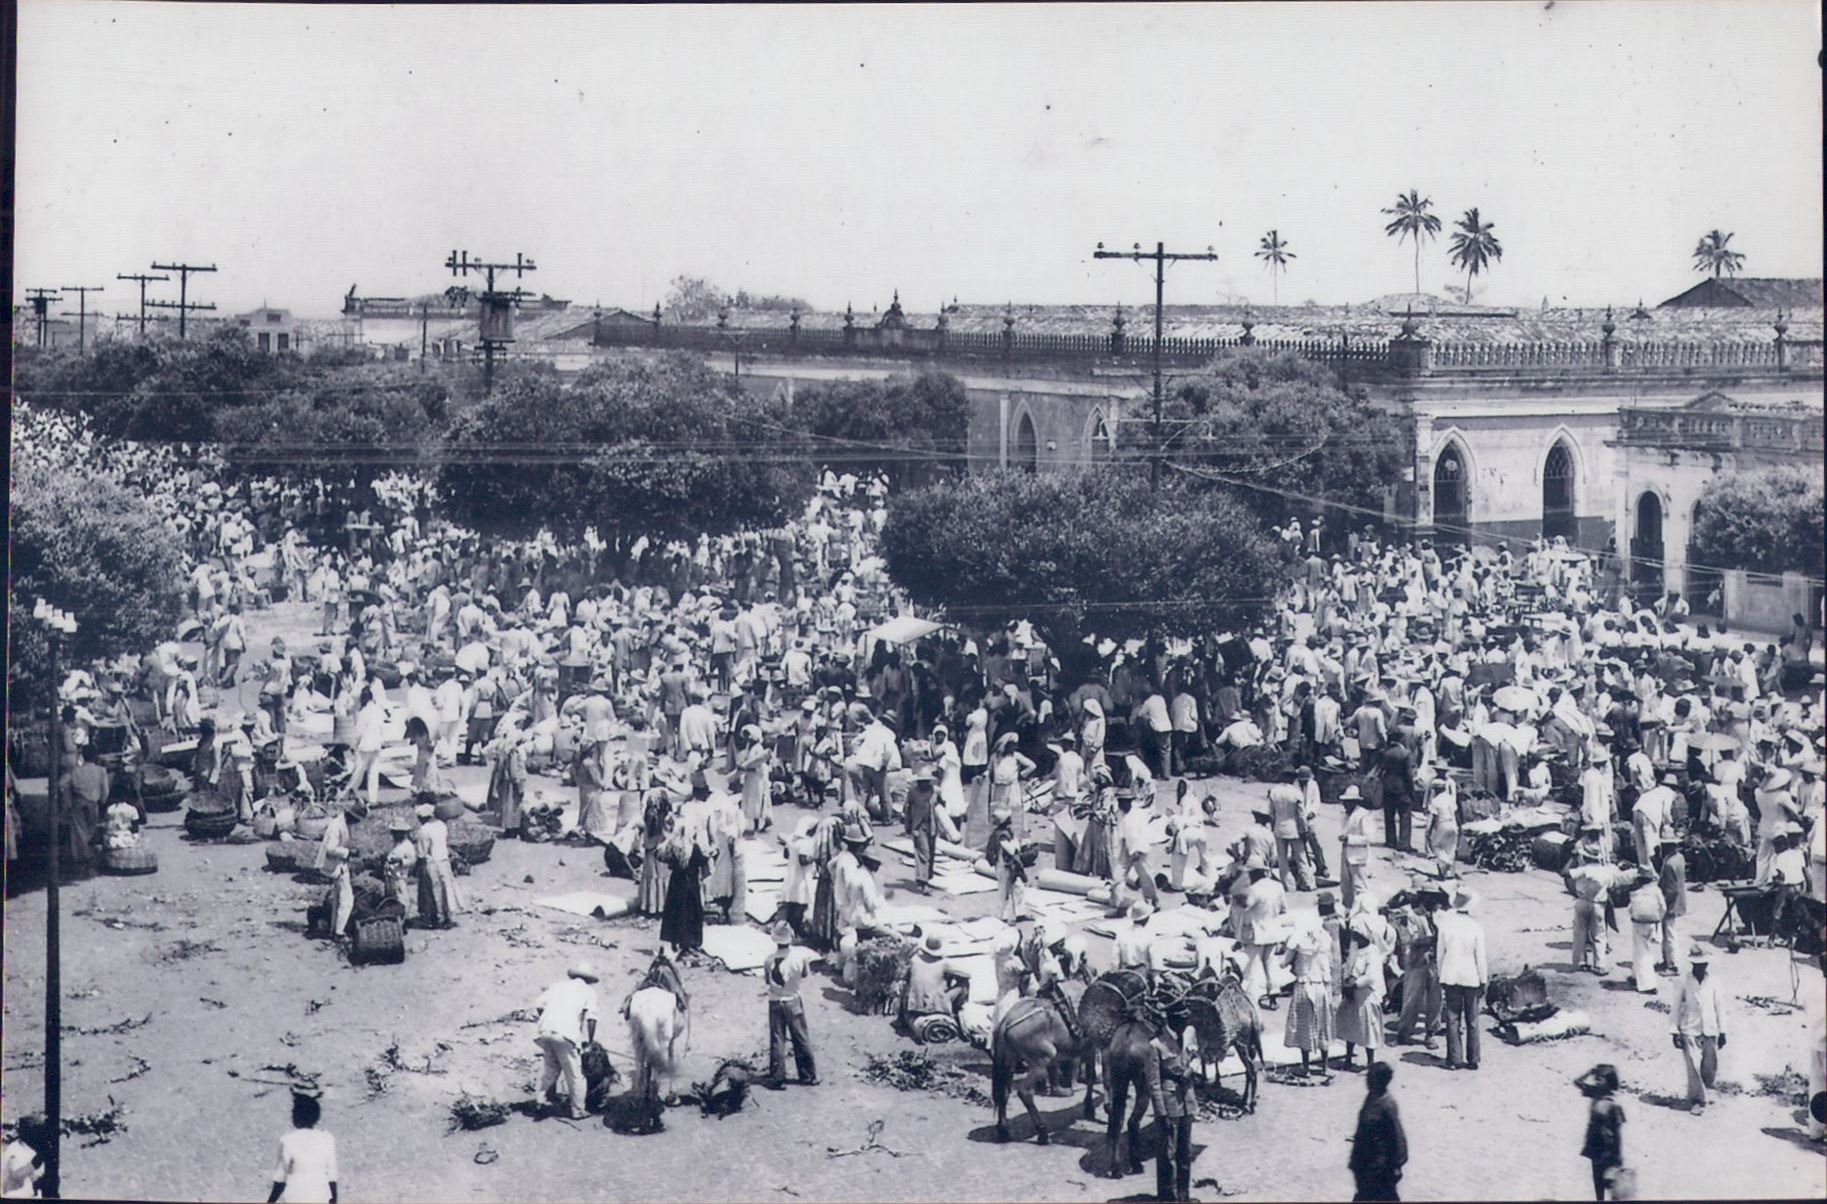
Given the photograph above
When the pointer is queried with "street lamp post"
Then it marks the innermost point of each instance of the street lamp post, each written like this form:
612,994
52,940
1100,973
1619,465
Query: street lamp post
57,624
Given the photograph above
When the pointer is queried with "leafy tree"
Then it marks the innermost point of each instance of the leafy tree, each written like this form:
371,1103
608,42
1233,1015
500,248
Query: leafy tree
85,543
923,419
660,446
1263,421
1412,218
1093,553
1474,247
1711,254
1274,253
1765,522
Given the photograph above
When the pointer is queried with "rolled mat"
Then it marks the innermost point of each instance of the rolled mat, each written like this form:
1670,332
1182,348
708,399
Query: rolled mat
935,1029
1067,882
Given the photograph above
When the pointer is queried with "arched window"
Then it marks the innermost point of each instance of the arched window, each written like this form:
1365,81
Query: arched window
1103,442
1449,495
1557,494
1026,454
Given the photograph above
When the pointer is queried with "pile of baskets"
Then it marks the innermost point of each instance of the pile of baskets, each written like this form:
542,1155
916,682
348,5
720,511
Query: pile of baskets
210,815
162,789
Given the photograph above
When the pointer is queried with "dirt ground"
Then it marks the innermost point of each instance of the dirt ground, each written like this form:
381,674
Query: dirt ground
185,990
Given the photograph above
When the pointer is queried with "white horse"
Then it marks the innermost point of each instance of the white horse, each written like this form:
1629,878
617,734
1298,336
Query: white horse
659,1031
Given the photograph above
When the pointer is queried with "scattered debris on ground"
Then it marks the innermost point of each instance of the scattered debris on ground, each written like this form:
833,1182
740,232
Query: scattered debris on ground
472,1112
1764,1003
315,1006
110,1030
186,949
871,1145
140,1066
214,1003
486,1155
100,1127
1790,1085
518,1016
915,1070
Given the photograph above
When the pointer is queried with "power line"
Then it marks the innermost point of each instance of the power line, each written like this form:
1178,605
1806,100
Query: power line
496,326
1161,257
143,280
183,305
41,299
81,315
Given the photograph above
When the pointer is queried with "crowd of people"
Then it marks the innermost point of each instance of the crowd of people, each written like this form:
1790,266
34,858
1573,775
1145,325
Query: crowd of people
698,694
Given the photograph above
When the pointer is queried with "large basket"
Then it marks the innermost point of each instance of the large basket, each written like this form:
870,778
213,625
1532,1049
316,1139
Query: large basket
1110,1001
448,807
379,941
209,825
292,856
129,861
311,827
162,789
473,842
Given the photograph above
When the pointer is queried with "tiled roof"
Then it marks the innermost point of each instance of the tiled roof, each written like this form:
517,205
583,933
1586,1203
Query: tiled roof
1758,292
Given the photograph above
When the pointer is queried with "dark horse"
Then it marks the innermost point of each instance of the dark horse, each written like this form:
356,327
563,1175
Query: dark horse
1126,1066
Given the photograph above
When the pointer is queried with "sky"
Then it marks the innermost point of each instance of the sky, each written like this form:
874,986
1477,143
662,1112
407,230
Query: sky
979,153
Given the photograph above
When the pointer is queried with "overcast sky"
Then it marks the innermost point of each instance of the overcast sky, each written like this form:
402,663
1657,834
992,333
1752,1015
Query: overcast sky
977,152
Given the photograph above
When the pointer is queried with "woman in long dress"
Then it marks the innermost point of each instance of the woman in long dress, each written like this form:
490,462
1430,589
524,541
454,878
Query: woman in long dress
1360,1009
507,783
656,829
824,926
1309,1025
726,886
753,761
682,914
801,884
595,813
949,782
1092,733
1100,823
1007,767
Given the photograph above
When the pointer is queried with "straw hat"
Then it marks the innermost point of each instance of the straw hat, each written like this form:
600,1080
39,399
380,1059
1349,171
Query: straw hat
583,970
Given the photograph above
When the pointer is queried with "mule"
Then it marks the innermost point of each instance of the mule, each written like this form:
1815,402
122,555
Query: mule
1224,1019
1036,1034
659,1030
1126,1066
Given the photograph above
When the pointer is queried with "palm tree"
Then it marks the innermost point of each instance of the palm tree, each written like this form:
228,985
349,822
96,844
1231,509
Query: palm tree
1412,220
1275,255
1474,247
1712,255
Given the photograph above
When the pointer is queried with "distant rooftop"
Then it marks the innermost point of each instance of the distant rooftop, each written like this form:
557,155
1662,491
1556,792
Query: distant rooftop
1752,292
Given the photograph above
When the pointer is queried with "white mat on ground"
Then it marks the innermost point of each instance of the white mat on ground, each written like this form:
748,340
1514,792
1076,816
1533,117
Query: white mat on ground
599,904
894,915
982,969
761,902
962,882
738,946
763,861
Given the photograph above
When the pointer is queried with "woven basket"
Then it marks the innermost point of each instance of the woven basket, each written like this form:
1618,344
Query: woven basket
449,807
1109,1001
129,861
473,842
380,941
163,789
209,825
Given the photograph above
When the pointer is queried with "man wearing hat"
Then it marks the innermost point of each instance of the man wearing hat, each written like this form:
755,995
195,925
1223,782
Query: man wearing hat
857,895
1651,816
1285,808
1422,998
567,1015
1263,906
785,970
933,987
1459,941
1775,810
878,750
1309,812
1134,944
1355,838
922,825
1698,1026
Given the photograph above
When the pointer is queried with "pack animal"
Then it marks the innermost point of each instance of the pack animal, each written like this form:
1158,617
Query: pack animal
659,1030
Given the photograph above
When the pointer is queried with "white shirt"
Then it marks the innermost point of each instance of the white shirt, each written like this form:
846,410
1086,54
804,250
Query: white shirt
1699,1008
1460,945
565,1010
307,1165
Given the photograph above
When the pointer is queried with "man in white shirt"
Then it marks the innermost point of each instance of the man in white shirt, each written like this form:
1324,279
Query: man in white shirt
1068,787
878,750
1651,815
1135,943
1699,1026
1154,731
784,972
1285,809
567,1022
1463,977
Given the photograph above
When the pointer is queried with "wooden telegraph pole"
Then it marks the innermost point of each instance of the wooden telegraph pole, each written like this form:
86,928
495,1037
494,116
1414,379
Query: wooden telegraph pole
81,315
496,328
183,305
143,280
1161,257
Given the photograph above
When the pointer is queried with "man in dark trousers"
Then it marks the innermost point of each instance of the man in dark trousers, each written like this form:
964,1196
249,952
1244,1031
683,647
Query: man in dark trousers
1380,1149
1170,1087
1397,765
785,970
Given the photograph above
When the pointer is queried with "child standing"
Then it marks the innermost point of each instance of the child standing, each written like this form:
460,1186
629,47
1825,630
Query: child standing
1604,1129
307,1157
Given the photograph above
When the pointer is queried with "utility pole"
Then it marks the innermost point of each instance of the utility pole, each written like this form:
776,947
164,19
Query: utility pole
57,625
82,292
183,306
424,333
143,279
41,299
1161,257
496,324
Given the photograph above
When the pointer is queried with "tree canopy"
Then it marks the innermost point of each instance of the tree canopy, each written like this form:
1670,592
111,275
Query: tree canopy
660,446
1766,522
924,418
85,543
1277,421
1093,553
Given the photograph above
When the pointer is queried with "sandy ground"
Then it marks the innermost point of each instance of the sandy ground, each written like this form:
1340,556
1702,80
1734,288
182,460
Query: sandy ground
208,955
